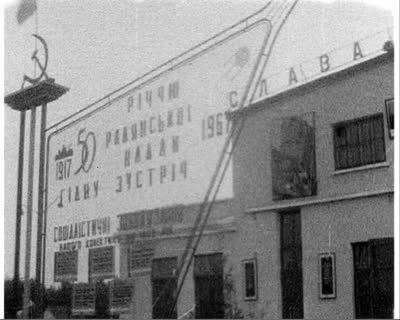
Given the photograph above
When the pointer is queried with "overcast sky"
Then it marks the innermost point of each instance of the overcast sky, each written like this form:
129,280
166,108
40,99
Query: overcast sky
96,46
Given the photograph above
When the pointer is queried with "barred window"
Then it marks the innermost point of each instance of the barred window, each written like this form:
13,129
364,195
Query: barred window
359,142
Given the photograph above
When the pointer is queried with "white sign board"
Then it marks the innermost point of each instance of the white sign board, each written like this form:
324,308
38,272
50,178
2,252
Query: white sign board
158,145
155,146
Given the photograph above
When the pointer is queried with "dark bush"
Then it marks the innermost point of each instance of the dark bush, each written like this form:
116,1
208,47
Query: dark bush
13,298
57,300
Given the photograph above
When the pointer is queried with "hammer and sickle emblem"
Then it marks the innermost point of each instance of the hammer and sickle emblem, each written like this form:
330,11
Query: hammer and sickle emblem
37,61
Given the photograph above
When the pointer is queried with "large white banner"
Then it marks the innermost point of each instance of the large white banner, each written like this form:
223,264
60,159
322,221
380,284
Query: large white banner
158,145
155,146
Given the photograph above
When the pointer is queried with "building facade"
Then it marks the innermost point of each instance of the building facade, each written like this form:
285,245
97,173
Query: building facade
303,225
318,221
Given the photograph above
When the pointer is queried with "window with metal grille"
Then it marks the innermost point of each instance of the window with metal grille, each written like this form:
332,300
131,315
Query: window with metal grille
359,142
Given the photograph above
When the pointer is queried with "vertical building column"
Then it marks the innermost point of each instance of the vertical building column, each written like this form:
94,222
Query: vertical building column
19,203
143,298
27,289
41,193
117,255
39,236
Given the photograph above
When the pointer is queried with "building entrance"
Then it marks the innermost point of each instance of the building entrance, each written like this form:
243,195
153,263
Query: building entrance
164,287
291,265
209,293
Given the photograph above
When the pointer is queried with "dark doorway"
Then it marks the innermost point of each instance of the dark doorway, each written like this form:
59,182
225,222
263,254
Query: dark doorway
164,287
209,282
373,278
291,265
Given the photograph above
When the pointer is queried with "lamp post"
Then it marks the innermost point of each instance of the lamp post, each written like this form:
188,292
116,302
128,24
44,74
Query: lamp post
23,100
39,93
20,177
39,244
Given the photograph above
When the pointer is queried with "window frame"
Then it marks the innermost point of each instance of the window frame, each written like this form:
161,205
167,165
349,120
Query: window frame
388,117
333,257
346,125
252,261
